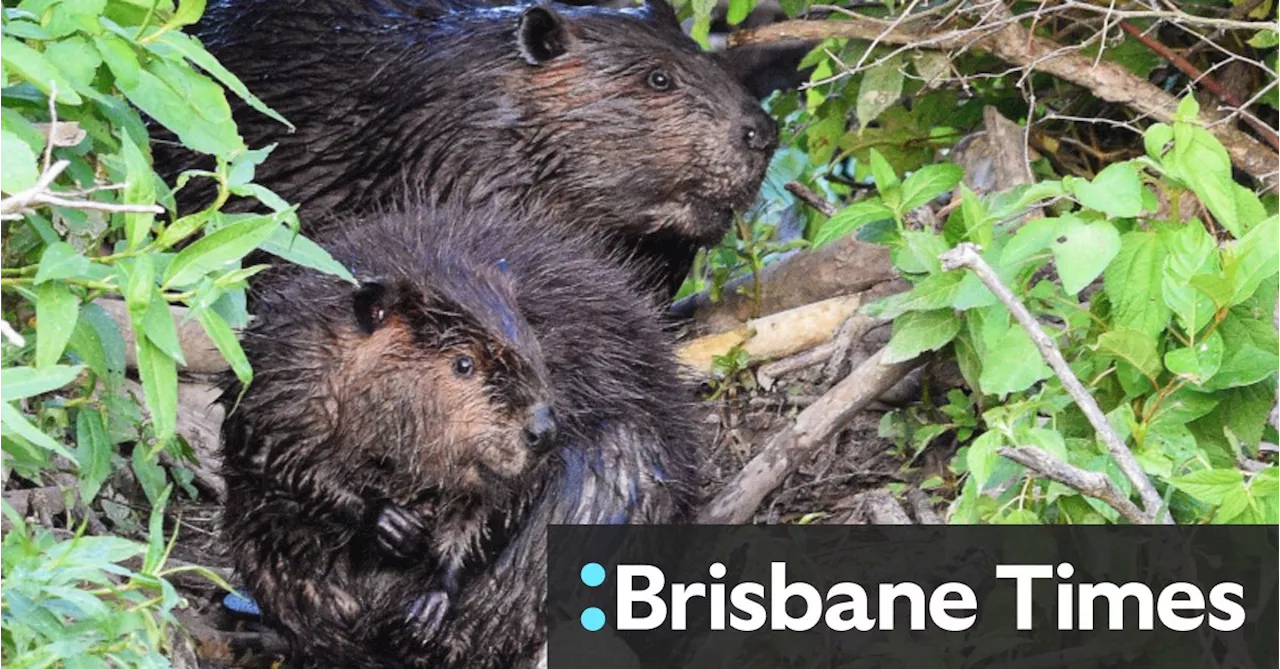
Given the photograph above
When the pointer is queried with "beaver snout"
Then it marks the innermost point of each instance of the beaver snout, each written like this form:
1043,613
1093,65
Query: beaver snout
540,430
759,131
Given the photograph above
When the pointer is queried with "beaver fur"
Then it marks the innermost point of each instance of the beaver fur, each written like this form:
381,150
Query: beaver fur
613,119
387,511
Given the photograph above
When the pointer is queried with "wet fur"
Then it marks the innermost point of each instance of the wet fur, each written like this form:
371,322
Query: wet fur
300,495
393,97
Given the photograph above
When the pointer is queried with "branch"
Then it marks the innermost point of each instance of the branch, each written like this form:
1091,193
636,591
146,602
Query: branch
966,255
1005,38
784,452
61,134
1208,82
1093,484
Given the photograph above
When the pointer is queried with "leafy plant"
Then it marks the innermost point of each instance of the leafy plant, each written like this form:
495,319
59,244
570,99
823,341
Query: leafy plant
88,221
1175,339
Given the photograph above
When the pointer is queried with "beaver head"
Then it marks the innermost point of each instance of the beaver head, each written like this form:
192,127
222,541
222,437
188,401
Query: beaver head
632,113
614,120
419,380
458,379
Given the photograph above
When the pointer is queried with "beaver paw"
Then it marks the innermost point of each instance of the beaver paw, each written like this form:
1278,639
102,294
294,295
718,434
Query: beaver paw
399,533
426,615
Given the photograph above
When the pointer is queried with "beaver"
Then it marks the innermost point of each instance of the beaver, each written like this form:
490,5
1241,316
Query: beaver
393,465
613,119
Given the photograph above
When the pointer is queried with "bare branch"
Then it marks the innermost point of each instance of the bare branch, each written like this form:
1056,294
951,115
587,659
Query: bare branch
742,495
1093,484
966,255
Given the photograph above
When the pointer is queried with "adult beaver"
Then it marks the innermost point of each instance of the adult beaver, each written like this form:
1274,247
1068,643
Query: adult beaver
387,504
612,119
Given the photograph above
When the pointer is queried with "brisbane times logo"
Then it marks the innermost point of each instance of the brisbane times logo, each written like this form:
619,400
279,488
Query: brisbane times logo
847,596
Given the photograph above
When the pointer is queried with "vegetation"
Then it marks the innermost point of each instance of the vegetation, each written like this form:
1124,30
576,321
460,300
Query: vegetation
1149,261
82,197
1141,246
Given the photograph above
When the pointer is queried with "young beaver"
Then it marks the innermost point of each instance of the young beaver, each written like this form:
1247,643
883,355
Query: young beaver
613,119
387,502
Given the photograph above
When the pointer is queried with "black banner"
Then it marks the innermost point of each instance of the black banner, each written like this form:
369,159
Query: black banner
924,596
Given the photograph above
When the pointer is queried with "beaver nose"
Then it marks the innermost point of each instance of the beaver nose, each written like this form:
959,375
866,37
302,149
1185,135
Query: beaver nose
540,431
760,133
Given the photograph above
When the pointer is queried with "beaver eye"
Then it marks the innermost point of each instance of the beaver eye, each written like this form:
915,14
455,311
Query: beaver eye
464,366
660,80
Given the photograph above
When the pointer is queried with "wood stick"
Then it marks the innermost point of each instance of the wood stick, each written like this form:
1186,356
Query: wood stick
967,255
1093,484
786,450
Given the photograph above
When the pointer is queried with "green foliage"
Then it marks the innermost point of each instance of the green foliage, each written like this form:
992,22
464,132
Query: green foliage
1177,344
73,602
117,69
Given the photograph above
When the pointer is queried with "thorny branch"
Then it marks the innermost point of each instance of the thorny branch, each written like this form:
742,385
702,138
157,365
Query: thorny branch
967,255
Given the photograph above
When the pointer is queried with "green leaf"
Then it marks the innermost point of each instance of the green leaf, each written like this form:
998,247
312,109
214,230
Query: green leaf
918,252
919,331
1156,139
36,69
929,182
159,375
21,382
1210,486
1133,283
94,451
1250,351
13,419
57,309
1254,258
881,89
935,292
188,12
214,252
1198,362
139,189
1082,250
1116,191
1134,347
882,173
848,220
983,455
149,474
191,49
18,170
1264,39
1191,252
177,97
739,10
157,324
225,339
60,260
1011,362
977,220
76,58
1030,240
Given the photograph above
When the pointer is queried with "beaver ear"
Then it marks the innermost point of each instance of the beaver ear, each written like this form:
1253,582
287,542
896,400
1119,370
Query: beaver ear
662,12
541,35
369,305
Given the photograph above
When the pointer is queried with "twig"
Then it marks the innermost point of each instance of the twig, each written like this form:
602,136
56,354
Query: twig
11,335
966,255
1206,80
1006,39
742,495
1093,484
13,207
806,195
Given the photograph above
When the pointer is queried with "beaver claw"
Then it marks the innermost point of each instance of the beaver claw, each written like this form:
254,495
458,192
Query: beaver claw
426,615
399,533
